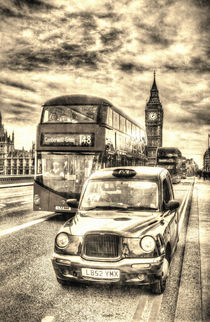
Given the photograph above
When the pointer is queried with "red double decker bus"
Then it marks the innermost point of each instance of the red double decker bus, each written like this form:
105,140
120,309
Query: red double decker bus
78,134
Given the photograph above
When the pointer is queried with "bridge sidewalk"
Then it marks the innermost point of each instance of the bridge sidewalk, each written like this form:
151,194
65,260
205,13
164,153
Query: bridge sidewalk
193,299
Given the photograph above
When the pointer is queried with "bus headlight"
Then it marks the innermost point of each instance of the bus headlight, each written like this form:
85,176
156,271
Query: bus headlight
62,240
147,243
36,200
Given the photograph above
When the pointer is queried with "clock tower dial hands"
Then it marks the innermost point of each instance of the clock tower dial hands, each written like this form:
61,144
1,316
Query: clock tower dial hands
152,116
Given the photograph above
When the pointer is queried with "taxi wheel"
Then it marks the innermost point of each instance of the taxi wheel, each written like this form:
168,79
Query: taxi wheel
62,282
159,286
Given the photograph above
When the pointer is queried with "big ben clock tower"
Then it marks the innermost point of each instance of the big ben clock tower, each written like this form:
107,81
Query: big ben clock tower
154,123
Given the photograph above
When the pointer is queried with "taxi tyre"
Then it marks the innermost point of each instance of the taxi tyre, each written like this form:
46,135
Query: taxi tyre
160,285
63,282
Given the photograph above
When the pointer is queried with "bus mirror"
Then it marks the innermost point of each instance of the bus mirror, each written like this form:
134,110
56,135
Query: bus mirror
73,203
172,205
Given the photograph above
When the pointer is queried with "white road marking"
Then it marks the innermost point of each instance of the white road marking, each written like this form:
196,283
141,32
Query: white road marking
16,185
143,299
48,319
155,309
28,224
183,209
25,200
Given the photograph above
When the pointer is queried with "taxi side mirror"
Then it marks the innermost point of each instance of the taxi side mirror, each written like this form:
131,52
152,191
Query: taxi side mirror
172,205
73,203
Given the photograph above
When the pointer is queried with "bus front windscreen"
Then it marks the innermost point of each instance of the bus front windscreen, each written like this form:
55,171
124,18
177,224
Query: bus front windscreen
70,114
64,173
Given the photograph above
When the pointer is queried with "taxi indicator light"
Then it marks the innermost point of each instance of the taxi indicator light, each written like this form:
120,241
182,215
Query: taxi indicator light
124,173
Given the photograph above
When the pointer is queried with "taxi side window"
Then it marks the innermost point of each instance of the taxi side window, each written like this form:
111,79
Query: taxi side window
166,191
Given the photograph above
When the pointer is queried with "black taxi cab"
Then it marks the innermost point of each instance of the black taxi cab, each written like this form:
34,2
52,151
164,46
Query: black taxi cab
125,230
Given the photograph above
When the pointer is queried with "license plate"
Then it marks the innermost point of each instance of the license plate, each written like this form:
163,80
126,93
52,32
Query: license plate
62,208
101,273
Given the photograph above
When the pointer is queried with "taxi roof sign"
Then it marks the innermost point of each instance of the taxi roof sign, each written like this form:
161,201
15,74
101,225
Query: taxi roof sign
124,173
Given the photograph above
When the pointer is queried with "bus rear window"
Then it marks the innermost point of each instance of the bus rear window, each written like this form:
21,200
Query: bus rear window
70,114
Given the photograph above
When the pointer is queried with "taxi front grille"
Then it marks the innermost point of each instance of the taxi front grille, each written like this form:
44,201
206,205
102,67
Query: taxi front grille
101,245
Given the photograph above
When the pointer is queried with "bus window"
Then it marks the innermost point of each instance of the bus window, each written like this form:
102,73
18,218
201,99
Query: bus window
122,123
128,127
116,120
109,116
70,114
138,134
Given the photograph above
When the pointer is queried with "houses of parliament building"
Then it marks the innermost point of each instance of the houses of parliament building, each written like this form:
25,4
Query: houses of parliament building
14,161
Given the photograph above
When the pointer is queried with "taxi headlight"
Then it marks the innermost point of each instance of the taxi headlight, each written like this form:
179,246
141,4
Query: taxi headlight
147,243
62,240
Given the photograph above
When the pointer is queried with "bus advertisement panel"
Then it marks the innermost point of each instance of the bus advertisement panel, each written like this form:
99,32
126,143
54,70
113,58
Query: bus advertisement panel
77,135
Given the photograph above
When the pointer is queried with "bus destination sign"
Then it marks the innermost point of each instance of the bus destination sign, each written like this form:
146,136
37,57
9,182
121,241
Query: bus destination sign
68,139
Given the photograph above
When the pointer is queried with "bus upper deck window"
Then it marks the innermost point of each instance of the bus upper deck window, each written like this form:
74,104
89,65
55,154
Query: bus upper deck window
70,114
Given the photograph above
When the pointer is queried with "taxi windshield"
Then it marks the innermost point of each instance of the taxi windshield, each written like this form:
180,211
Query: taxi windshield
120,194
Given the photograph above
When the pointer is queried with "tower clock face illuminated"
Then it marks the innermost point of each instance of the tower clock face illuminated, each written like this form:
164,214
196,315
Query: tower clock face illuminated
152,116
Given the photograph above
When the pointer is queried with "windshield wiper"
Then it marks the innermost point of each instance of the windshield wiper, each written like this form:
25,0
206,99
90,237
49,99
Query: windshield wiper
141,208
111,206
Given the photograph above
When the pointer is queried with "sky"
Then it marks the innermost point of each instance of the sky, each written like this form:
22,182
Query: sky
110,49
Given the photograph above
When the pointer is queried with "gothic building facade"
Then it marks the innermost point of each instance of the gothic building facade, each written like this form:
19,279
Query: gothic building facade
14,161
153,123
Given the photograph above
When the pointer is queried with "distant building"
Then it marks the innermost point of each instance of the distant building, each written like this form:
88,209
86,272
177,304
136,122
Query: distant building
14,161
153,123
191,167
206,160
206,157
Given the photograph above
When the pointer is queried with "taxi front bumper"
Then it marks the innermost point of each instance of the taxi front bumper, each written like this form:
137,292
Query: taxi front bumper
141,271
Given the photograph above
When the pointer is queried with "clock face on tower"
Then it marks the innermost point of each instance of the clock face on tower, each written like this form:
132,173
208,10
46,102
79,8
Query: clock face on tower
152,116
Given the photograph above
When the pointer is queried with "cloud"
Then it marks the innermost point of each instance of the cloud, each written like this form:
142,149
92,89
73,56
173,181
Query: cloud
130,67
200,65
32,4
17,85
22,8
9,12
108,49
202,3
23,107
154,34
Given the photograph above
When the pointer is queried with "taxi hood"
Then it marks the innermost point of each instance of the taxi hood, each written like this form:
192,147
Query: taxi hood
128,224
